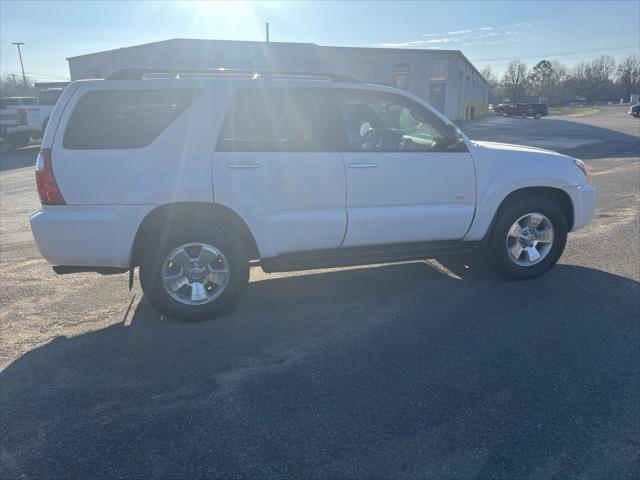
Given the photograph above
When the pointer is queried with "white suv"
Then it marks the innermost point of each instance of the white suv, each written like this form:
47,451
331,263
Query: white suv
196,176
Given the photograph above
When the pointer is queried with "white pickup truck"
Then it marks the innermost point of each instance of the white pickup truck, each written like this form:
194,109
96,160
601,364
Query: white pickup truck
38,115
13,119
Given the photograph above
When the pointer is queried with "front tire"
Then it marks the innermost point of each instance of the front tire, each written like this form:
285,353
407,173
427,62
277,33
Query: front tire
196,273
528,238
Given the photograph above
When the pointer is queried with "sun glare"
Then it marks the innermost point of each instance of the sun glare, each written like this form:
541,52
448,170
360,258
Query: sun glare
239,20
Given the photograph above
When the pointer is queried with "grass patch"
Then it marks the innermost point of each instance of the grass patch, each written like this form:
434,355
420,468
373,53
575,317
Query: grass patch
573,111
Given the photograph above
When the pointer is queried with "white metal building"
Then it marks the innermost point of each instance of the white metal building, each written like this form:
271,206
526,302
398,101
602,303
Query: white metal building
445,78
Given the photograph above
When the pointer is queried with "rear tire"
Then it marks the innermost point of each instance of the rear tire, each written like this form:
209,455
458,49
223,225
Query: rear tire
198,298
528,238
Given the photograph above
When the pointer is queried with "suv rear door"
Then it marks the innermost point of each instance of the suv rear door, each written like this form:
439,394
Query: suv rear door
404,183
278,163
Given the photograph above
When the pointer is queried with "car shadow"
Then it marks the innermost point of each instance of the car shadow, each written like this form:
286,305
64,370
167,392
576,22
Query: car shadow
555,134
417,370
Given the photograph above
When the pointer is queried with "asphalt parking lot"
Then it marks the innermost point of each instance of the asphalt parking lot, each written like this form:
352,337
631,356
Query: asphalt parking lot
417,370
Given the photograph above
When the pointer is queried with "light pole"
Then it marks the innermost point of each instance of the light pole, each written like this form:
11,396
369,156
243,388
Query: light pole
24,78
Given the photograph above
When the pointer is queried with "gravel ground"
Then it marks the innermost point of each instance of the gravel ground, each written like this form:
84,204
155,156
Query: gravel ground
417,370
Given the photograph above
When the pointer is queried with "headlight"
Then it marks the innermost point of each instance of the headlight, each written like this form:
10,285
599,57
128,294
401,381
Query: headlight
580,164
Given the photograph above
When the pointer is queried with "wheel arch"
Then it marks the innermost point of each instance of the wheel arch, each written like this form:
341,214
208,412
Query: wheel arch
171,215
556,194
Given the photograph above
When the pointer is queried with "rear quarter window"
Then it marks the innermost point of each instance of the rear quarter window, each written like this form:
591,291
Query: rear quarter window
122,119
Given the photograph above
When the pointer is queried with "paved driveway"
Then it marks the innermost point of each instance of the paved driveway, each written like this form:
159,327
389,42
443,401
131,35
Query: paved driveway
416,370
606,134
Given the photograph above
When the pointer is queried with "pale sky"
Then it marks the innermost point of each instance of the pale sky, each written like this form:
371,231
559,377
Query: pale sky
486,32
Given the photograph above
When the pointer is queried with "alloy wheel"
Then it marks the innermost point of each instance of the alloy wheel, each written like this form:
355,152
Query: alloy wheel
530,239
195,273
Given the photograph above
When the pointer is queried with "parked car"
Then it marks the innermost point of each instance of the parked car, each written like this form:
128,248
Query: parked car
634,110
535,110
38,116
502,108
193,176
13,119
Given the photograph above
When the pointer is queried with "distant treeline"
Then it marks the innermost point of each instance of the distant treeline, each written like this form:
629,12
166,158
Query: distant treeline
553,83
11,85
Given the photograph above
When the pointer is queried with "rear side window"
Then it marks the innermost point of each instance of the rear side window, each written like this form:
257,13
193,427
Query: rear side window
282,120
120,119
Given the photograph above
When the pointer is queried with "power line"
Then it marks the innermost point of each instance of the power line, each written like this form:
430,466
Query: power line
39,75
46,75
559,54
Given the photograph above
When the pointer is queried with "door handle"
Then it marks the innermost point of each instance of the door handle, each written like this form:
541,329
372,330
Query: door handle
362,165
243,165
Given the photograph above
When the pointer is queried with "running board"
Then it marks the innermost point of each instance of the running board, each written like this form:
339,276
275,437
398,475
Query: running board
351,256
65,270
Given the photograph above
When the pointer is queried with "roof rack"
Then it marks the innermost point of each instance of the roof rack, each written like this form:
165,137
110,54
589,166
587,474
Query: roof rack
142,73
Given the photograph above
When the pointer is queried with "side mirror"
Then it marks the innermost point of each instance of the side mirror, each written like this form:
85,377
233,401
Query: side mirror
455,138
452,131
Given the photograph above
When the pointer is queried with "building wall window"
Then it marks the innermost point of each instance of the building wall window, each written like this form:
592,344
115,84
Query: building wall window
401,75
438,71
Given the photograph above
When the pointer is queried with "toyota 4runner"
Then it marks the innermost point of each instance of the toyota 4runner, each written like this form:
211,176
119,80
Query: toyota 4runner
195,176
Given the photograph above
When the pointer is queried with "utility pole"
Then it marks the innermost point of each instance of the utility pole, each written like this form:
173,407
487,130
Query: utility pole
266,26
24,78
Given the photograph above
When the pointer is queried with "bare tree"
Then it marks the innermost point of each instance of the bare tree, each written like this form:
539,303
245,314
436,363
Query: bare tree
558,82
593,79
603,68
581,80
11,86
515,79
491,77
628,75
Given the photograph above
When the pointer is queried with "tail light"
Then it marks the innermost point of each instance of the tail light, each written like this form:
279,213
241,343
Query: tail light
22,116
47,186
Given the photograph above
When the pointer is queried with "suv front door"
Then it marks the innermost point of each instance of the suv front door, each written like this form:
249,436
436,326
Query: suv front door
406,180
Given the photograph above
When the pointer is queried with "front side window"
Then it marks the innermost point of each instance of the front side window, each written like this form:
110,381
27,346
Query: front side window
281,120
121,119
390,123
